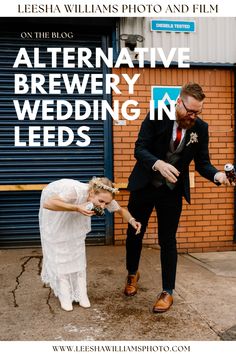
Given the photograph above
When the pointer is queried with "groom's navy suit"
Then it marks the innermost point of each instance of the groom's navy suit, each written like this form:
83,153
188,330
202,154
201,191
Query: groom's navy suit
153,143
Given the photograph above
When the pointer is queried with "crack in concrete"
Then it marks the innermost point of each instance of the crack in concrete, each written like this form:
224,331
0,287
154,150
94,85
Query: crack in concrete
23,268
40,264
48,299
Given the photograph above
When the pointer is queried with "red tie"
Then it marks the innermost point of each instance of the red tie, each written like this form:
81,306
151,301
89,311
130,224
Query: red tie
178,137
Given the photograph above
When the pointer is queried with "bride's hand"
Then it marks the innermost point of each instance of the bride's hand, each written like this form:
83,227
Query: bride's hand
136,225
82,208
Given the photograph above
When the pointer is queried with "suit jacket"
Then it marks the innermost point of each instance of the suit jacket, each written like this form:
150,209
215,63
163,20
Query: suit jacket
153,143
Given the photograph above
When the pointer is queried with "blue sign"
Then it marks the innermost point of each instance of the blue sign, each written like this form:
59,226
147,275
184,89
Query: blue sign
172,26
168,94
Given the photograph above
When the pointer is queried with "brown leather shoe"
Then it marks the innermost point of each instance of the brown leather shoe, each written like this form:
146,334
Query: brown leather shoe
131,286
163,303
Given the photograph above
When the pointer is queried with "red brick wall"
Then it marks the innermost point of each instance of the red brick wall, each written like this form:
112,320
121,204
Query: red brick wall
206,224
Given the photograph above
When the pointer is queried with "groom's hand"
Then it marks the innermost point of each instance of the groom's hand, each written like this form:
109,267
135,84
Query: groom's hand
222,179
167,170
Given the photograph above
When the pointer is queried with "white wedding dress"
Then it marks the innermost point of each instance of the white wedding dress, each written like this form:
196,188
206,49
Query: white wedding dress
63,240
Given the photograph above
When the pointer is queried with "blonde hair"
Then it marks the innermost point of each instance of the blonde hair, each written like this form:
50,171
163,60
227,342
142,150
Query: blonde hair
98,184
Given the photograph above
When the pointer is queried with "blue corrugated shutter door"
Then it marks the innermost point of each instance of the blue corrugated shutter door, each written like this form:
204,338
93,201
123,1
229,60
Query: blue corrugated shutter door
41,165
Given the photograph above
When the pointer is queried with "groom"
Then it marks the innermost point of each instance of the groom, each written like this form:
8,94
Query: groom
164,149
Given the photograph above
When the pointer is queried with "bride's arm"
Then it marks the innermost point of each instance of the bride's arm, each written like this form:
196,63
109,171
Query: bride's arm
130,219
57,204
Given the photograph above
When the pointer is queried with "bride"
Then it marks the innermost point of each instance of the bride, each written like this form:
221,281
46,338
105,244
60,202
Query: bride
66,207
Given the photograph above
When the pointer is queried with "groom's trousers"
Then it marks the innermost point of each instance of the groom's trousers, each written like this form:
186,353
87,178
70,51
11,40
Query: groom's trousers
168,205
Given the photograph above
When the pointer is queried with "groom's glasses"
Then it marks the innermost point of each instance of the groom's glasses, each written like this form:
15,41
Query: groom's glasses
190,112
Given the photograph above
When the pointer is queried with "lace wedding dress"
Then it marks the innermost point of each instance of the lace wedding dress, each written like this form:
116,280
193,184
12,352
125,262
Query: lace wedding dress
63,240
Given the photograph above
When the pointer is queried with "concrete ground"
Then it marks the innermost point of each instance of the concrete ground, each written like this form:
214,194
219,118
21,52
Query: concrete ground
203,310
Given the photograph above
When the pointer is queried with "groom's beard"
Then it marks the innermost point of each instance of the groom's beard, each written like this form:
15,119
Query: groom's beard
184,122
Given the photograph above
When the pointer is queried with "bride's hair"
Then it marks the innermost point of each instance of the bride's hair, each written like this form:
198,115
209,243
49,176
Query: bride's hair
98,184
